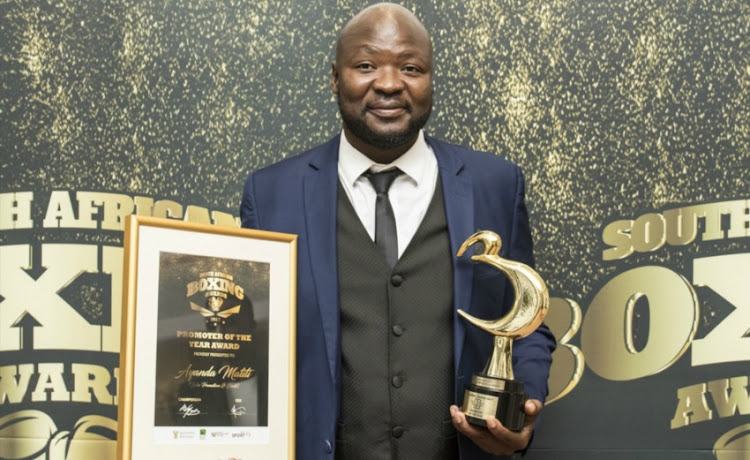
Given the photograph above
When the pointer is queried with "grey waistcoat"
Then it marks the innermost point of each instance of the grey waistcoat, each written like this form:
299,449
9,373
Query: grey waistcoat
396,342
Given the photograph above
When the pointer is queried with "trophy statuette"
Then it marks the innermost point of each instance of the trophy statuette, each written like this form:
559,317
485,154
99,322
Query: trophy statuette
494,391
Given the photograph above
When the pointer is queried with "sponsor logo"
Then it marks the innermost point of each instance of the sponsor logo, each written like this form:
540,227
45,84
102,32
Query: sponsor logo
186,434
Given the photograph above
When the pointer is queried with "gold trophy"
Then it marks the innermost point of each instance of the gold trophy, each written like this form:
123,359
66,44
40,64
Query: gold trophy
494,392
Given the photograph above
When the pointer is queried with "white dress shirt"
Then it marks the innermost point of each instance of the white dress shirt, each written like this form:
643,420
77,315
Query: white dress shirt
410,194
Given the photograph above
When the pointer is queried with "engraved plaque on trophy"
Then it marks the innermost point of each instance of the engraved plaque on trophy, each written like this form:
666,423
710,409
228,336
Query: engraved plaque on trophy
494,391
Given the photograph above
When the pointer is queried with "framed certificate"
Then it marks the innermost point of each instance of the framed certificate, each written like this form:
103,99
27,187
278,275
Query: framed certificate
207,358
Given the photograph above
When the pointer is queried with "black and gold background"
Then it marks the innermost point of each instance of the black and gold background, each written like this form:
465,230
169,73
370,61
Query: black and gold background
613,108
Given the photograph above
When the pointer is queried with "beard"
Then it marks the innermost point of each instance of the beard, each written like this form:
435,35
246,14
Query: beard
358,127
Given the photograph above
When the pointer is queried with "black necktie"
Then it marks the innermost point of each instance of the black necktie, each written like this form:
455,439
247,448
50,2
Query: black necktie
385,222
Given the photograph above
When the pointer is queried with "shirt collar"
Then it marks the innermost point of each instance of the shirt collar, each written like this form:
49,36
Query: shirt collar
353,163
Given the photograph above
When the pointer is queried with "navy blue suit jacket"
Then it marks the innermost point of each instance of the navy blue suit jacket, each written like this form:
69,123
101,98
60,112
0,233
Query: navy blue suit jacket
481,192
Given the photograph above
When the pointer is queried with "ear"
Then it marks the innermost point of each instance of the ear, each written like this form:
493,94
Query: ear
334,79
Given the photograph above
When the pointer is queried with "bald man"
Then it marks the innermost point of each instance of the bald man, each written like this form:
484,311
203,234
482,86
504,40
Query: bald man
381,210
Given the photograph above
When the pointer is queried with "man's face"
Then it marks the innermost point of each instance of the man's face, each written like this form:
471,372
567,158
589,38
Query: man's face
383,81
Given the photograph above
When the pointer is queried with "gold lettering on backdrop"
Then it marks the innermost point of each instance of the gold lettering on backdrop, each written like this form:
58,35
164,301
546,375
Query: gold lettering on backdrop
648,232
674,310
50,378
144,206
568,363
674,314
60,212
88,210
14,382
167,209
35,316
114,208
197,214
617,235
224,219
675,227
15,210
91,378
682,227
739,219
726,275
100,210
692,406
63,264
49,383
642,234
669,295
729,397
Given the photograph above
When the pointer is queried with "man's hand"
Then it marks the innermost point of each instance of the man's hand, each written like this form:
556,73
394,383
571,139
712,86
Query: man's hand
496,439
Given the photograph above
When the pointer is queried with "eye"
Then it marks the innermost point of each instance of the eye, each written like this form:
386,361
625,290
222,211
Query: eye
364,66
411,69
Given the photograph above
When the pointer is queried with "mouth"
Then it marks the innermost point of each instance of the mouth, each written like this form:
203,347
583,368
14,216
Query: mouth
387,109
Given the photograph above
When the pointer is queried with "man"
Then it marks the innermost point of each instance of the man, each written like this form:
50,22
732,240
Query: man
382,356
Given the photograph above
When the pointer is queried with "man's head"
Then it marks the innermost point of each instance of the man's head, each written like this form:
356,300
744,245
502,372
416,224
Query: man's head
382,78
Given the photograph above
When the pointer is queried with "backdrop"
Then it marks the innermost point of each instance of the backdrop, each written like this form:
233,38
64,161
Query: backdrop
631,120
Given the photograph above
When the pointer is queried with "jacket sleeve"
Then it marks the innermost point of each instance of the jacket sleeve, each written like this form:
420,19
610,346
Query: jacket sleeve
532,355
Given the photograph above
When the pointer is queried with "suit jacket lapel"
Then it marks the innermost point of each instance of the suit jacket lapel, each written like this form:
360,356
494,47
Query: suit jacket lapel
320,217
459,212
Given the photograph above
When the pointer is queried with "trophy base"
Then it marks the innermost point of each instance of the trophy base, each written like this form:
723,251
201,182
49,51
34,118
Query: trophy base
493,396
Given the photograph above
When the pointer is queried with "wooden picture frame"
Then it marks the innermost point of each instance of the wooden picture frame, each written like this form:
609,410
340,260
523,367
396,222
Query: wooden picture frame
207,359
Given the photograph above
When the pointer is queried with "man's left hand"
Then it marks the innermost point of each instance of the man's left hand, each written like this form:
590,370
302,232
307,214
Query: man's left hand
496,439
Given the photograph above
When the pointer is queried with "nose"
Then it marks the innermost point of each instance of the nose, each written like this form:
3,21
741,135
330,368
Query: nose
388,80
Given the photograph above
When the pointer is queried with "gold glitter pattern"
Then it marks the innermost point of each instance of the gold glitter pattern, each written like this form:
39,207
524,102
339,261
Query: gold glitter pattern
612,108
